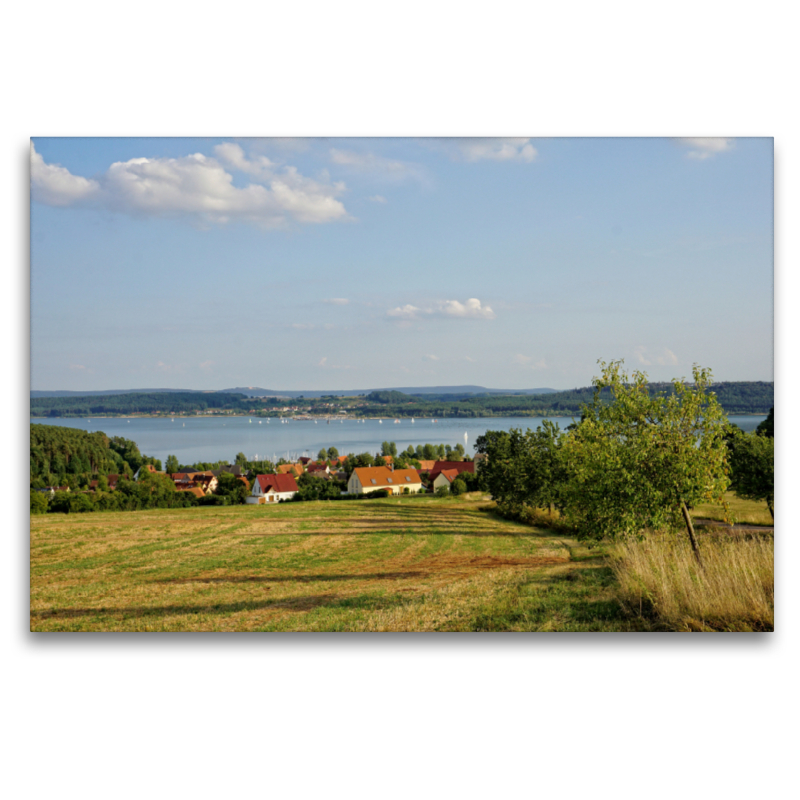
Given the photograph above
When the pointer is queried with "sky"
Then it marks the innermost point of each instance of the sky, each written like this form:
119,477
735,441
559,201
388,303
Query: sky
360,263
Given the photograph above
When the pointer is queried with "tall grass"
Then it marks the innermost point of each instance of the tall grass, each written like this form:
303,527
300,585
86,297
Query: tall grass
734,591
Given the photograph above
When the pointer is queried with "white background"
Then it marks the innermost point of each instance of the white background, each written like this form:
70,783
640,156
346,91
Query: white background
395,715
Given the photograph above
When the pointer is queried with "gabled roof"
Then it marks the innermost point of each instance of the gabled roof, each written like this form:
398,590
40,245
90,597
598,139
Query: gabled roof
384,477
450,474
278,483
290,469
461,466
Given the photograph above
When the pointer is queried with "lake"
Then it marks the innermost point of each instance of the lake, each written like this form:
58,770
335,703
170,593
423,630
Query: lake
210,439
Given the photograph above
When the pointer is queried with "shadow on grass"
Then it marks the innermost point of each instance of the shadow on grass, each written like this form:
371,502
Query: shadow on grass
295,578
305,603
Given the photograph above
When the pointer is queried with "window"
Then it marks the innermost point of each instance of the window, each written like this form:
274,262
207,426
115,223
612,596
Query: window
374,481
408,479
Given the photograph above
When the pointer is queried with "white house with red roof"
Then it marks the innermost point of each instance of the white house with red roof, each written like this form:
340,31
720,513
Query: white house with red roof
370,479
273,488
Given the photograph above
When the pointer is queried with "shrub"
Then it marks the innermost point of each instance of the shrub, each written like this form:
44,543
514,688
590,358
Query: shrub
38,502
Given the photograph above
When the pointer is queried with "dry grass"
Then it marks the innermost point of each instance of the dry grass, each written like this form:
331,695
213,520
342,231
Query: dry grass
660,578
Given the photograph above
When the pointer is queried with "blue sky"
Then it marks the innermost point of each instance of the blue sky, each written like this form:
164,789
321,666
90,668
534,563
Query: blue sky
361,263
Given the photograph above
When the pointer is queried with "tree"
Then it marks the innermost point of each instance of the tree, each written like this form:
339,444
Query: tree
458,486
38,502
767,427
522,468
752,459
241,460
173,465
322,455
638,461
333,453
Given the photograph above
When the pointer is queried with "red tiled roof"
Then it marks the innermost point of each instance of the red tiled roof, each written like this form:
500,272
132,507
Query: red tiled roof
278,483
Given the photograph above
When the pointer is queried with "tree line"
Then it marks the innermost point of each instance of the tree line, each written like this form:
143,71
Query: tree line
742,397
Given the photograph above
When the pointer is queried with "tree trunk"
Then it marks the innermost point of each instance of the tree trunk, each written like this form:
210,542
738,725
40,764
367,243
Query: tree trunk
771,510
690,528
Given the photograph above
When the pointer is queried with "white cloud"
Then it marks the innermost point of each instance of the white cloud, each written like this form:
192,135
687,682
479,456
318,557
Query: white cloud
495,149
706,146
430,357
471,309
664,357
206,365
322,361
405,312
195,186
377,198
378,166
337,301
55,185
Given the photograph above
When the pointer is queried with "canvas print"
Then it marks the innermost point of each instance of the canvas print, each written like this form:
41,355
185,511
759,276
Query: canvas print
401,384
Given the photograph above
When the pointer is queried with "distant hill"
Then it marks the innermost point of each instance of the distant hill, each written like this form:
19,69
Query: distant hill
256,391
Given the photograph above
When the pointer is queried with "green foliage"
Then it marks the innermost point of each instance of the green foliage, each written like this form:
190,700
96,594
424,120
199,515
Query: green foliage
752,458
332,453
38,502
312,487
637,461
522,469
173,465
767,427
231,487
458,486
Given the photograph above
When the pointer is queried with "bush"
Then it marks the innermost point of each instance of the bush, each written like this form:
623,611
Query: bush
38,502
458,487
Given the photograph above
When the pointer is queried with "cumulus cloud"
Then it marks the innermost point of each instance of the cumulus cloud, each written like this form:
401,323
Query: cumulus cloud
195,186
471,309
664,357
55,185
337,301
206,366
706,146
430,357
377,198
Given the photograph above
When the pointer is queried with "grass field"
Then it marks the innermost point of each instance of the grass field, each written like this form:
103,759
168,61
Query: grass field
750,512
414,564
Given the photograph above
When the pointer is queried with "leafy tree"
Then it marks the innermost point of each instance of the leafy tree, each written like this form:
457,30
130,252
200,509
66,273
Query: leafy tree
230,486
322,455
752,459
458,486
640,460
333,453
364,460
767,427
241,460
458,452
173,464
38,502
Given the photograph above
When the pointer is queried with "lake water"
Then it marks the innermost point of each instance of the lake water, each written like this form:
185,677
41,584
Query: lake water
212,439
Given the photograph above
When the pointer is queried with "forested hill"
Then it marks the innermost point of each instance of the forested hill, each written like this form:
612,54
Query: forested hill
136,403
57,453
741,397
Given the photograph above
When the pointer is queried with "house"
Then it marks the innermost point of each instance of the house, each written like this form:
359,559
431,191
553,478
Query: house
318,470
206,481
444,478
112,483
459,466
291,469
145,468
273,488
370,479
197,491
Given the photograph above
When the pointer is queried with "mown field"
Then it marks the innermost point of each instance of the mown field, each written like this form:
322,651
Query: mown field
413,564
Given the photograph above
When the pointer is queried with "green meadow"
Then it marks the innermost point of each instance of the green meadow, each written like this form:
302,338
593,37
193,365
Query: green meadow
409,564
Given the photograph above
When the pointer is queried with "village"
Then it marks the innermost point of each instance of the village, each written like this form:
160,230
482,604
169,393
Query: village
282,486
